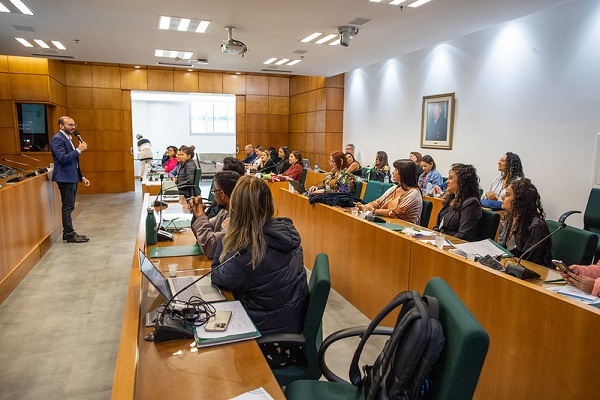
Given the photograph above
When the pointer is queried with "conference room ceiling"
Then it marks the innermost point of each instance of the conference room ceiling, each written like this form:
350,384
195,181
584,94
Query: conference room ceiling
126,31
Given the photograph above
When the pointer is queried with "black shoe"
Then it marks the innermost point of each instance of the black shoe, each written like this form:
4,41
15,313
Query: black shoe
77,239
83,236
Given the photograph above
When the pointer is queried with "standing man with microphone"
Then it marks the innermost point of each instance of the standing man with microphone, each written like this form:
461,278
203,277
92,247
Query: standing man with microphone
67,173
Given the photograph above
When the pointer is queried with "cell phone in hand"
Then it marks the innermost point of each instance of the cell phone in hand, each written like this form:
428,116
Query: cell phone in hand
218,322
561,266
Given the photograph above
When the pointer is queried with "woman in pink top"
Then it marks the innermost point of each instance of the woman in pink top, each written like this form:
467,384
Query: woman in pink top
585,277
172,161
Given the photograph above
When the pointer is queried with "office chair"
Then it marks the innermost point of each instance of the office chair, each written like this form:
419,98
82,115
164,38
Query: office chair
591,217
358,189
488,225
373,192
458,367
573,245
426,213
197,179
312,334
303,178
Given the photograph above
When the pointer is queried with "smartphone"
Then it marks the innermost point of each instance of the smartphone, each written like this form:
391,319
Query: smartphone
218,322
561,266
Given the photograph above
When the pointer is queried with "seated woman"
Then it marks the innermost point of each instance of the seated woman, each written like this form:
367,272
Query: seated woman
430,174
294,172
403,200
171,162
260,260
266,166
339,180
187,171
524,225
353,165
284,163
461,209
259,150
584,277
416,157
510,168
379,168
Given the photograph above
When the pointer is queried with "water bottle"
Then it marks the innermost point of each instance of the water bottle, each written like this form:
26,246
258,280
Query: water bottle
386,177
151,236
316,167
429,188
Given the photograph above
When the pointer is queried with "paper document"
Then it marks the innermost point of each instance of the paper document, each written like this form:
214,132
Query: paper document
575,293
240,326
482,248
418,232
256,394
432,242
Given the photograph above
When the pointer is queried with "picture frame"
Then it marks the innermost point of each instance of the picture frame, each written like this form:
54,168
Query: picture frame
437,121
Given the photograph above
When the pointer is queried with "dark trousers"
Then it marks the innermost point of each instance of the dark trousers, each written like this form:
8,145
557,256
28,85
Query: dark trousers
67,197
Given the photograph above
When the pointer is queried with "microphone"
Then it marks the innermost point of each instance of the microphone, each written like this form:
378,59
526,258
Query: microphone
7,171
519,271
161,233
168,328
76,133
28,174
41,170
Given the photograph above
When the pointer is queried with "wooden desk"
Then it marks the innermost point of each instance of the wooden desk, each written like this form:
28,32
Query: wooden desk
542,345
150,187
437,206
147,370
314,178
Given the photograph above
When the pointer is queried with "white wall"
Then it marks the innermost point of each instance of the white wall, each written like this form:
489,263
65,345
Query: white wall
530,86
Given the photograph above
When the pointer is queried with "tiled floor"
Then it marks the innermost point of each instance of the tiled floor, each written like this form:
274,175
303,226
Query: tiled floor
59,329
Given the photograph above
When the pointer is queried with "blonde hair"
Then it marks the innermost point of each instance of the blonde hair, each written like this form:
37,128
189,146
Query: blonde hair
251,206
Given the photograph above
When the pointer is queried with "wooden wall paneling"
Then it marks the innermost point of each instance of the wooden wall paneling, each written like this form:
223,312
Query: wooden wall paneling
310,100
257,123
257,85
108,141
279,86
335,98
28,65
112,161
185,81
321,99
210,82
107,99
320,121
58,92
234,84
84,118
106,77
279,105
279,123
3,63
134,78
56,70
318,142
336,81
311,121
278,139
257,104
8,141
126,100
333,142
7,114
108,120
127,124
80,97
160,80
5,86
5,267
78,75
297,123
88,161
30,87
334,121
295,104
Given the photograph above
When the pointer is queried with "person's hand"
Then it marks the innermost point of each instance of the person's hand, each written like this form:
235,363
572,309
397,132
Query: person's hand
85,181
174,179
491,196
437,191
312,189
196,206
365,207
582,282
82,146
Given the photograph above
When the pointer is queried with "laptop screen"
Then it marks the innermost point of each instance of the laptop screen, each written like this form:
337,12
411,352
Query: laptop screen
153,275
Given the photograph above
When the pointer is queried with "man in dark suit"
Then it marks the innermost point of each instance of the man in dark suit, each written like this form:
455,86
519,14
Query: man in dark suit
67,174
437,125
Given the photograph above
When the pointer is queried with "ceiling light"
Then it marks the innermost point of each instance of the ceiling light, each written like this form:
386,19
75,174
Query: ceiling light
41,43
137,67
418,3
184,23
58,45
270,60
294,62
325,39
186,55
190,70
164,22
396,2
22,7
202,26
282,61
3,8
374,1
311,37
24,42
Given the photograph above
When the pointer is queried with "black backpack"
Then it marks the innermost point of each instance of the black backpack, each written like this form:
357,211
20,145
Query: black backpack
401,370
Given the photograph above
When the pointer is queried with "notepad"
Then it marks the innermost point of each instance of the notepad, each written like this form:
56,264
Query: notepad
389,225
240,327
176,251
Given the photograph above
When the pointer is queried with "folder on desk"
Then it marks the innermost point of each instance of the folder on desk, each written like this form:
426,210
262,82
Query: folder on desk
389,225
240,327
176,251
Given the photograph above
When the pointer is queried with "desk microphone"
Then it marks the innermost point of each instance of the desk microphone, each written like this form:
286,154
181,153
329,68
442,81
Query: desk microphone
28,174
7,171
41,170
519,271
168,328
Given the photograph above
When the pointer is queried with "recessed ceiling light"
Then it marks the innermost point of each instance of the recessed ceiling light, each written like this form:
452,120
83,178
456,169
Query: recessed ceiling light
335,42
184,23
186,55
137,67
396,2
238,73
294,62
418,3
375,1
3,8
270,60
22,7
311,37
164,22
190,70
24,42
202,26
282,61
325,39
58,45
41,43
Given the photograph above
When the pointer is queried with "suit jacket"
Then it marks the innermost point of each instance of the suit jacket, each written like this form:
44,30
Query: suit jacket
66,160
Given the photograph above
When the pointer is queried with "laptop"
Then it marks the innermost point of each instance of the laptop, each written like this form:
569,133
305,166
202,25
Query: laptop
168,286
298,188
306,163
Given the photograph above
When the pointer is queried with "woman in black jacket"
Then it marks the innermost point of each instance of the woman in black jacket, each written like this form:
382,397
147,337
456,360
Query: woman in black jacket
262,261
187,171
461,209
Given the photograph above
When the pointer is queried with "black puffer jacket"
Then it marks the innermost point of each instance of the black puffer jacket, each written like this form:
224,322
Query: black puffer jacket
275,293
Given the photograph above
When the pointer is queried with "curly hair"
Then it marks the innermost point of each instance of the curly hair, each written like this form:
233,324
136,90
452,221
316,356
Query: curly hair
526,205
468,185
513,168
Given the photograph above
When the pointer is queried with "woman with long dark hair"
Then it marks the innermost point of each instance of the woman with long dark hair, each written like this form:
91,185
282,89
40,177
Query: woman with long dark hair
525,224
171,162
461,209
380,168
187,171
430,174
294,172
267,275
511,169
284,155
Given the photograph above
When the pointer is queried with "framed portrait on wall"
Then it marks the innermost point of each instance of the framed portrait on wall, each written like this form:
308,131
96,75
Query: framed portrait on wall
437,121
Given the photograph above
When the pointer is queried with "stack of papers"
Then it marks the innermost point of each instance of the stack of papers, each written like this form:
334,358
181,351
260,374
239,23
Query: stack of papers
575,293
483,248
418,233
240,327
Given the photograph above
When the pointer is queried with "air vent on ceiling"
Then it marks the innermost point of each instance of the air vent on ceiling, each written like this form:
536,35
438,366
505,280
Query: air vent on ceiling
166,64
359,21
276,70
300,51
23,28
53,56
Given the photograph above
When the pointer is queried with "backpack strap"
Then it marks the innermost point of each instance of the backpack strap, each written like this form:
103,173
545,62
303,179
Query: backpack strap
402,298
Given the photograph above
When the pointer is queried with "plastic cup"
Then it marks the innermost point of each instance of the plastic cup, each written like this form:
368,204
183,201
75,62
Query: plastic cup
471,256
173,270
354,211
439,240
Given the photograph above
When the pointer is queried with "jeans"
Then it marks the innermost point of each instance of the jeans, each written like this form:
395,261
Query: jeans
67,197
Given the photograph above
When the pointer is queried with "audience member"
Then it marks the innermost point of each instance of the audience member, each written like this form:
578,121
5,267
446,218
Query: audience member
294,172
187,171
274,154
340,180
403,200
461,209
266,166
379,168
284,164
145,155
250,154
353,165
171,162
259,150
584,277
416,157
260,260
430,174
524,225
349,148
208,231
510,168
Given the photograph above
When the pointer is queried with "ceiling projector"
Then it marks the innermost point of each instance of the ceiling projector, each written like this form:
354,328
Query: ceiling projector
232,46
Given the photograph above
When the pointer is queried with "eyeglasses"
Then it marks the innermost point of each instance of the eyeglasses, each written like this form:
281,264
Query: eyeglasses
73,125
214,191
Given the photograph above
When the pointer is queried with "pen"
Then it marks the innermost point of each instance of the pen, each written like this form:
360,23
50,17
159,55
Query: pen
555,280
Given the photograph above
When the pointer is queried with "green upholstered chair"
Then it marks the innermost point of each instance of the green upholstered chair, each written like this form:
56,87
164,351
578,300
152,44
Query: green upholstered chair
591,216
488,225
197,179
365,172
312,333
358,189
426,213
458,368
374,191
572,245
